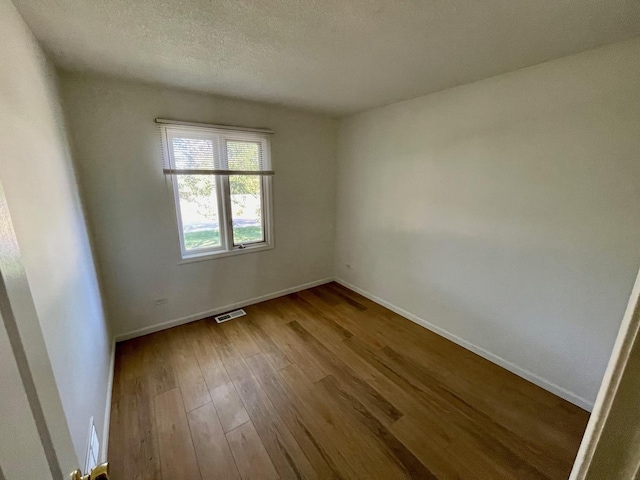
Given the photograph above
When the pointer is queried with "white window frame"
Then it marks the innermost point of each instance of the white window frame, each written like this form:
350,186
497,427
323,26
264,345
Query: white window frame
223,193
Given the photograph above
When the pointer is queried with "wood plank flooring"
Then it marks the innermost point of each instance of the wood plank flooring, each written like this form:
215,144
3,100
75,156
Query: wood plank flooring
327,384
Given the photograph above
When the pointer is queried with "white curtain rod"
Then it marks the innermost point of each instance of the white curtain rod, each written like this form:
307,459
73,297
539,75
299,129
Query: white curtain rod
210,125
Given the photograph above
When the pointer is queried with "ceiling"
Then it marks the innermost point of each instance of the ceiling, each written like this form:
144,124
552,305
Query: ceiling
331,56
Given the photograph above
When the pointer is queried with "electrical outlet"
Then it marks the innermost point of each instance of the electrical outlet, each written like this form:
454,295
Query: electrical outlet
161,301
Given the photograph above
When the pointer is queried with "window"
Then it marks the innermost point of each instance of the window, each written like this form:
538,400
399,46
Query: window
222,187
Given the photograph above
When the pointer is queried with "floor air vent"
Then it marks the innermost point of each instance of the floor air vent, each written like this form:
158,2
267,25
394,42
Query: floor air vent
225,317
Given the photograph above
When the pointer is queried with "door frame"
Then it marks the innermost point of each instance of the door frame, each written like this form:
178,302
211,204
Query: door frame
627,336
47,438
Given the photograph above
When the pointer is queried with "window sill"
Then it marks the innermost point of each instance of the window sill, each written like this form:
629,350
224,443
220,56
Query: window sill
213,255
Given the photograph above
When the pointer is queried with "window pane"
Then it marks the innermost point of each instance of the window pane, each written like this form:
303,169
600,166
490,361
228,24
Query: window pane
193,153
244,155
199,211
246,208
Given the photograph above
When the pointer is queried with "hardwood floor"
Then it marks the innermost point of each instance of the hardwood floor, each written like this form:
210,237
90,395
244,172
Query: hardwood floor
327,384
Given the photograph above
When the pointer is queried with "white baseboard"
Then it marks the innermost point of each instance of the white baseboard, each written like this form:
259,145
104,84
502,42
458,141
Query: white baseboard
199,316
521,372
107,408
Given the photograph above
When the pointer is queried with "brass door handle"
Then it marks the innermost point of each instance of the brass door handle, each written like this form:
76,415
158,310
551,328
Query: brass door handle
101,472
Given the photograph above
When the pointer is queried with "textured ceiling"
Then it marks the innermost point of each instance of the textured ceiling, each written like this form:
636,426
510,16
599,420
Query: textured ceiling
334,56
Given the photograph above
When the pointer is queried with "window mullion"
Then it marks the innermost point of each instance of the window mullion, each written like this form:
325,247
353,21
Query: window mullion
226,203
176,192
226,193
222,214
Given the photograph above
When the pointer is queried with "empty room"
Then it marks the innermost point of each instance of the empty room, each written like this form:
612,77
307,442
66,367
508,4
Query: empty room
325,239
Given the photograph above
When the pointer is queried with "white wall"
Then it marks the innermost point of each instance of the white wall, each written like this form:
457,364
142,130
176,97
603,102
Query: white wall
505,213
42,195
132,213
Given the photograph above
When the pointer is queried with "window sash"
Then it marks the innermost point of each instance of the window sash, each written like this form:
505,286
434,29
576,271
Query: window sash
225,219
263,220
221,222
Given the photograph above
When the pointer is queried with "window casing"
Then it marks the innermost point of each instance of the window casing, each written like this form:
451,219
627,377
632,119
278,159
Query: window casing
222,186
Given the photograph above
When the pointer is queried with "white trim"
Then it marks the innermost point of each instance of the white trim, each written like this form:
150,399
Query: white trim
107,409
88,449
215,311
627,336
521,372
256,247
